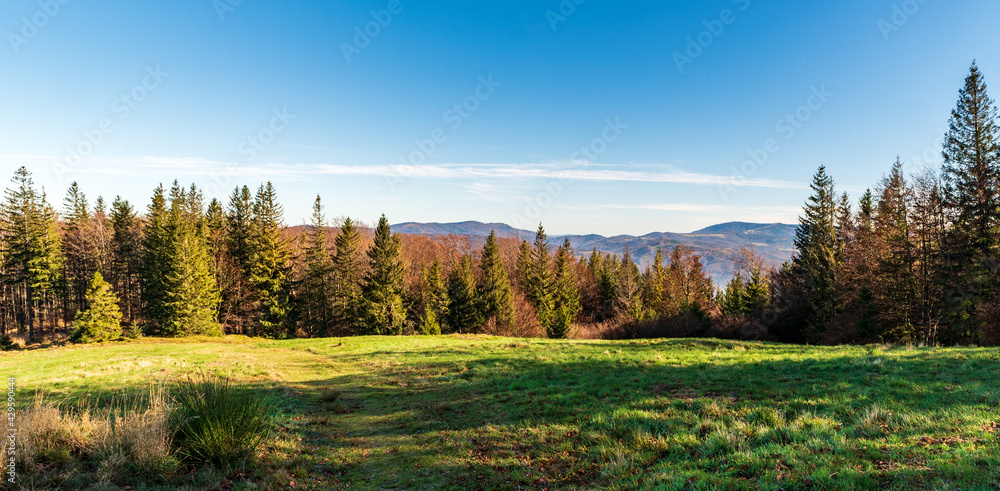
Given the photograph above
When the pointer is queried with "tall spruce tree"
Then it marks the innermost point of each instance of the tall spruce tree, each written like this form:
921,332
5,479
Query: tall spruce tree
816,245
896,283
382,292
270,265
539,280
126,263
971,177
191,297
316,297
78,266
348,273
495,293
239,306
158,248
463,301
565,293
434,299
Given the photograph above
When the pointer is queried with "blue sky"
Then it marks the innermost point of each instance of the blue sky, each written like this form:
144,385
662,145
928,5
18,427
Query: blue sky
450,111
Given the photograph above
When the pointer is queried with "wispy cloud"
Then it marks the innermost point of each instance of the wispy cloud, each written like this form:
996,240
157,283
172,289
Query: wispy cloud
686,207
576,171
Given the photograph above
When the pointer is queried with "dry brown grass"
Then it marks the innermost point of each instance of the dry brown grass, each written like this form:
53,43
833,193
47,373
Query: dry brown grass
130,435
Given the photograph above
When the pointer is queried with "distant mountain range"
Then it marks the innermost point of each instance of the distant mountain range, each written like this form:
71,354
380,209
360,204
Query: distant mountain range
717,244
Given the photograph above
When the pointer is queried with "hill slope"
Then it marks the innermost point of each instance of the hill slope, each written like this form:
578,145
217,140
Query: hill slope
717,244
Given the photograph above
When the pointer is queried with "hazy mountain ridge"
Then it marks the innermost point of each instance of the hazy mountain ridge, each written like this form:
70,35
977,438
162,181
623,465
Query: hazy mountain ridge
717,244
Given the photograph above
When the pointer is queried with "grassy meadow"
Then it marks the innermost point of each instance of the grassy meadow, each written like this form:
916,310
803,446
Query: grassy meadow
475,412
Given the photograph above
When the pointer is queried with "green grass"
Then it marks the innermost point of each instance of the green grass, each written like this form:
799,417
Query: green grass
465,412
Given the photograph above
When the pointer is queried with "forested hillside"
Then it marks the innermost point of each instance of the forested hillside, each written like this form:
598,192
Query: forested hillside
718,245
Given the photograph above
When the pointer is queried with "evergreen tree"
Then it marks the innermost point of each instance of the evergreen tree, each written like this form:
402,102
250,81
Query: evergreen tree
523,266
495,293
971,177
316,298
101,321
896,286
732,300
816,245
348,269
32,259
78,266
270,266
628,291
158,247
539,280
190,296
463,301
241,228
566,293
655,294
127,254
382,292
434,299
239,308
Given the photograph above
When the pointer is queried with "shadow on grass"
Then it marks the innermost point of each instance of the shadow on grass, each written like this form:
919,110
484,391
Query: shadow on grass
550,416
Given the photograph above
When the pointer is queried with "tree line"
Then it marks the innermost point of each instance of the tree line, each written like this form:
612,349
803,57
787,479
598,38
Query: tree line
913,260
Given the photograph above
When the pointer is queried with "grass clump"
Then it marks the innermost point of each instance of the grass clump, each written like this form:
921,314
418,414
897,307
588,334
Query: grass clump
221,422
127,439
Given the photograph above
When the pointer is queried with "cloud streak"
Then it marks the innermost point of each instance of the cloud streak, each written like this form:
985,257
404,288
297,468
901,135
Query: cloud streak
577,171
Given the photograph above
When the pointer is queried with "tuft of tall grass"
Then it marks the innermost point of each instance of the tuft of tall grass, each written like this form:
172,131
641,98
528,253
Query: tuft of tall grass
130,436
220,422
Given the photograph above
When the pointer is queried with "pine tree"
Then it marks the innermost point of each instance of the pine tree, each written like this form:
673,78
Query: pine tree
971,177
239,308
896,287
628,292
316,298
32,259
127,255
732,300
539,280
190,295
566,293
158,246
348,270
101,321
522,269
607,271
927,218
495,293
270,266
463,301
434,299
382,292
78,266
816,246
